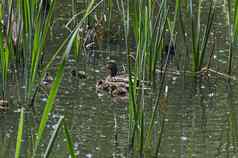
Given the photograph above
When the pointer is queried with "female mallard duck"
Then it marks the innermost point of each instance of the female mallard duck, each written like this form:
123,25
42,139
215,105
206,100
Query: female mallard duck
115,83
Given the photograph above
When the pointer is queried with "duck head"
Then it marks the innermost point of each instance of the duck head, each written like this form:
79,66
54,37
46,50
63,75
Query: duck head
112,68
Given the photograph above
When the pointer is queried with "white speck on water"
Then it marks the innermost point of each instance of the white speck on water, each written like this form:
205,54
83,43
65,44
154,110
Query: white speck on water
102,136
71,60
76,145
100,94
44,99
66,92
184,138
211,94
221,51
89,155
8,135
18,110
54,126
174,78
77,152
55,116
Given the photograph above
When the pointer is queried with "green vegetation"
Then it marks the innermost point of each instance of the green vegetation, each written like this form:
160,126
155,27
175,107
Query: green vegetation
150,30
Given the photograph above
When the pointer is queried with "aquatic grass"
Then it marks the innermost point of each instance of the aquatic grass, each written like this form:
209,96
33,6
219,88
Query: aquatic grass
24,38
78,25
70,145
232,22
149,39
55,86
49,104
131,100
39,40
199,38
206,35
4,65
185,39
132,114
26,33
33,42
160,23
19,134
160,105
110,9
148,28
148,25
53,92
59,74
53,137
78,40
4,52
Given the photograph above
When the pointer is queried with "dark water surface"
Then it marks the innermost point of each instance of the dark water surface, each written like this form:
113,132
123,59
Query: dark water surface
201,121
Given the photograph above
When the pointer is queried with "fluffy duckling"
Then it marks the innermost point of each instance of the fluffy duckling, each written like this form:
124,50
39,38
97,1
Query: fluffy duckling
47,80
79,74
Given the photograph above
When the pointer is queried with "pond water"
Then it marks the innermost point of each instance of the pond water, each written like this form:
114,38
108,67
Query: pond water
201,121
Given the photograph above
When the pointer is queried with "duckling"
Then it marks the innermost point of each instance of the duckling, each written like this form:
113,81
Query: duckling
79,74
119,91
47,80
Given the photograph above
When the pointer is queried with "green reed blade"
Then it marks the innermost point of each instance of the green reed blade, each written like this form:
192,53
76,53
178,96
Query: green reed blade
53,137
19,134
56,83
39,43
4,52
233,32
70,145
204,41
50,102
